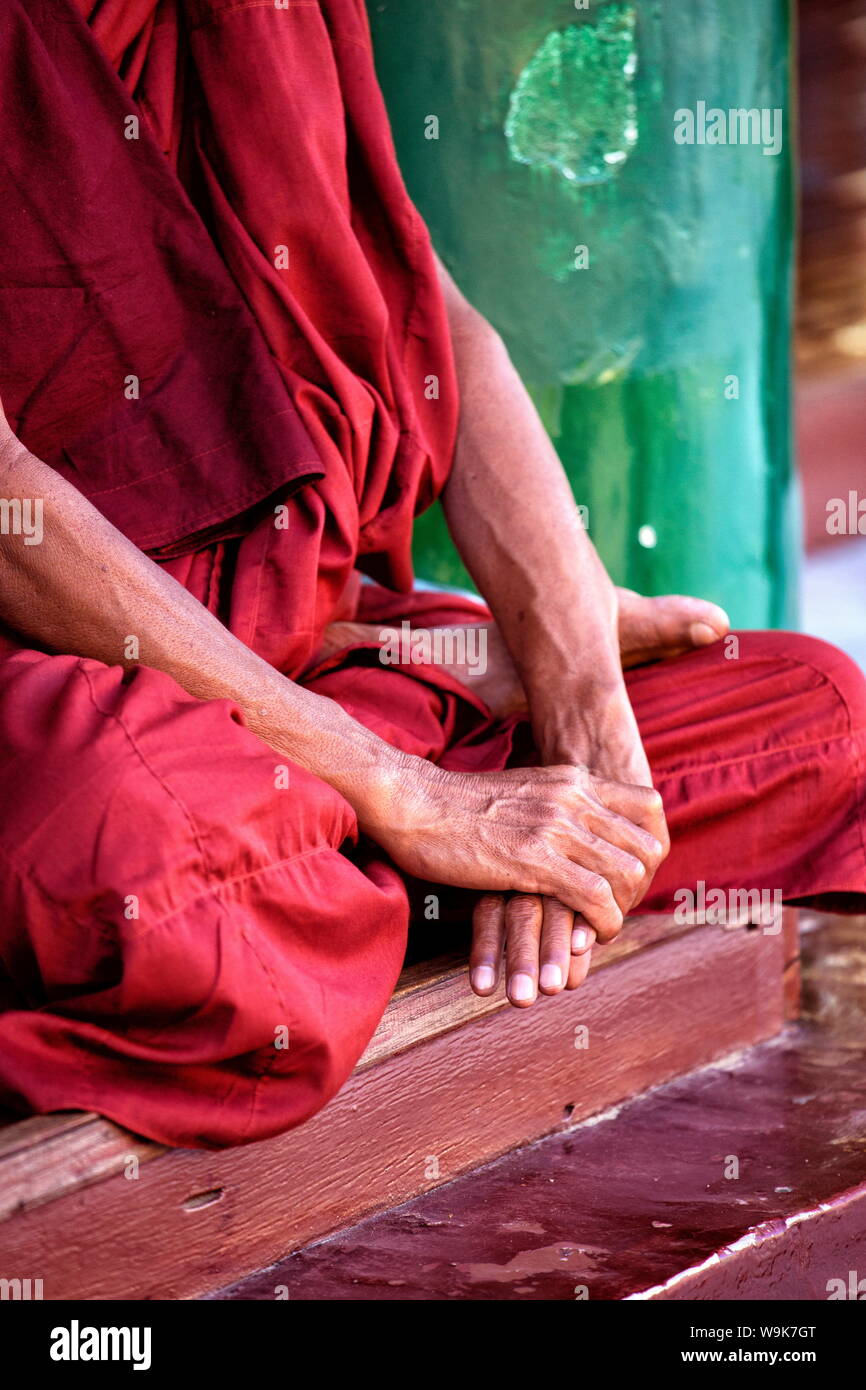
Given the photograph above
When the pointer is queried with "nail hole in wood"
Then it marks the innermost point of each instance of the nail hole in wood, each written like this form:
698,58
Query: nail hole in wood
203,1199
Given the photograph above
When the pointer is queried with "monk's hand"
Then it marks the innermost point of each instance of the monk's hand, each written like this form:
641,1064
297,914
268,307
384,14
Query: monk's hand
560,832
547,947
545,943
601,733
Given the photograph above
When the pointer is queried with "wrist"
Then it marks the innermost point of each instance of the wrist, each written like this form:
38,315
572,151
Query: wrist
396,797
317,734
601,734
384,792
577,718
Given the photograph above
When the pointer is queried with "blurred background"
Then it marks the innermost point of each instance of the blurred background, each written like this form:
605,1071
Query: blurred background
831,317
645,288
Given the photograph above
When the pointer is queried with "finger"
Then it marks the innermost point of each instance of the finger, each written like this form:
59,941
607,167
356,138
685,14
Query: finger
555,956
626,815
588,893
582,941
578,969
488,939
524,915
583,938
628,876
650,848
643,806
628,835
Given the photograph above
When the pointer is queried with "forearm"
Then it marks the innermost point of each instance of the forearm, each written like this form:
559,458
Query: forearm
513,518
86,589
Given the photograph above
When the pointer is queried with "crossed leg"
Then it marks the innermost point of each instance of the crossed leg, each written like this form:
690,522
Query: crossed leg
191,945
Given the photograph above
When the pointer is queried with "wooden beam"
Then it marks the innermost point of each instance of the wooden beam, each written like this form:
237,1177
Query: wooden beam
426,1106
46,1156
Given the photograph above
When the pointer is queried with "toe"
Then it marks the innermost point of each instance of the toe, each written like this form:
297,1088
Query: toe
690,620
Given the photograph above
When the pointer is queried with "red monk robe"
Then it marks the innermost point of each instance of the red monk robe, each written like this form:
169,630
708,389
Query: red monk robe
246,259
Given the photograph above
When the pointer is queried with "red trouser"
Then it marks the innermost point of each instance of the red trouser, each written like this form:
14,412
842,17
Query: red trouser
169,912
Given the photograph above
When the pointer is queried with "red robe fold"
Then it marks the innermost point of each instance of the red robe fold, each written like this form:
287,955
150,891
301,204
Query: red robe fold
250,264
192,939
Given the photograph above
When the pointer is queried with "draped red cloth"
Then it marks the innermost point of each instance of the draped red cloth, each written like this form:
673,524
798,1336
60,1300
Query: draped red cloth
225,305
251,257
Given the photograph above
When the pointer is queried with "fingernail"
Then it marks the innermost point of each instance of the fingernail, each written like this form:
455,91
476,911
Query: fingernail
551,977
484,977
579,940
521,988
702,634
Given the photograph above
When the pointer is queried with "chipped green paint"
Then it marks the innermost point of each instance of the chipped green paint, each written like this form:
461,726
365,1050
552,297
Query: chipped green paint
572,108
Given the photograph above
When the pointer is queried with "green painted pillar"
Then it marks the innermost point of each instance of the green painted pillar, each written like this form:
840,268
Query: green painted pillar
638,268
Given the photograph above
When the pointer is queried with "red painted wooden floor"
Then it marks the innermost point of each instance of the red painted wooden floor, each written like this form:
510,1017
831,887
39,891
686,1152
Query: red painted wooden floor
639,1201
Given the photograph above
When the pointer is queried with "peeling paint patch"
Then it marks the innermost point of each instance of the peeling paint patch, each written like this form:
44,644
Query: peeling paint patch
572,108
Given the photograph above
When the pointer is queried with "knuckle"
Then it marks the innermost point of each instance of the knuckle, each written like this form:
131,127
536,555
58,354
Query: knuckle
524,910
488,904
557,913
656,855
598,891
613,924
634,873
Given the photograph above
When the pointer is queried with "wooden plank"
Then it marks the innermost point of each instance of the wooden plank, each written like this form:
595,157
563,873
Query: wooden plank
195,1221
645,1204
434,997
44,1156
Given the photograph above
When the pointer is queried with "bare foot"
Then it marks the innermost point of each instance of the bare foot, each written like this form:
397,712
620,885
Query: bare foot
649,629
652,628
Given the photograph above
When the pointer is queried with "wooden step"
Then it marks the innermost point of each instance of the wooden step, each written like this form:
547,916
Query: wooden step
448,1082
744,1181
